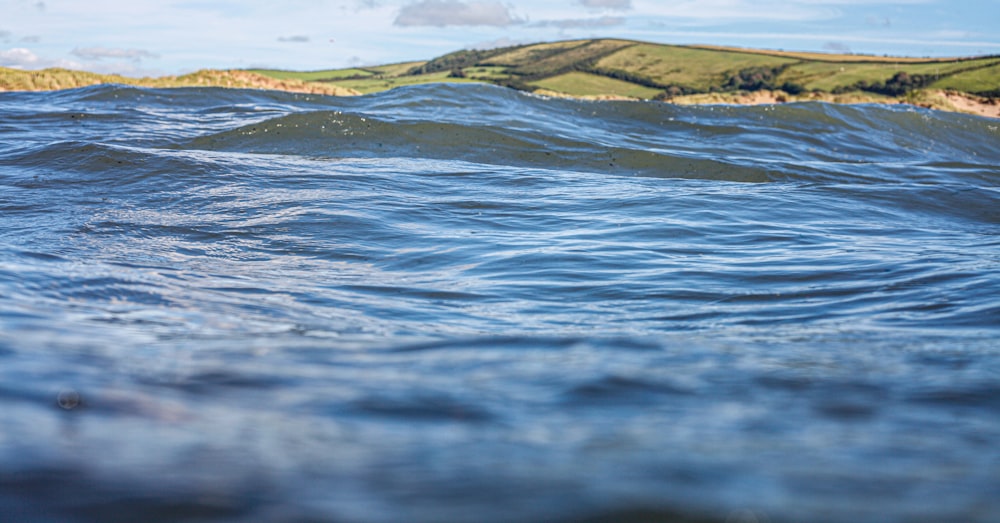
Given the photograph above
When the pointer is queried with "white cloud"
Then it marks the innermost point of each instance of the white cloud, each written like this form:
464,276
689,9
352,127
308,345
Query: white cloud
298,39
607,4
949,34
441,13
837,47
505,41
22,58
866,3
101,53
218,7
721,35
876,21
18,57
192,34
712,12
583,23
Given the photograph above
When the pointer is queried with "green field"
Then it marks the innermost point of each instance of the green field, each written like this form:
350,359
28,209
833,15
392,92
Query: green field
487,73
697,69
532,53
610,67
384,83
586,84
823,57
827,76
556,59
329,75
983,80
395,69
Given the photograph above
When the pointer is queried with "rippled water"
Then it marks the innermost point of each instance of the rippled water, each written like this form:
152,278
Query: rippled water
449,303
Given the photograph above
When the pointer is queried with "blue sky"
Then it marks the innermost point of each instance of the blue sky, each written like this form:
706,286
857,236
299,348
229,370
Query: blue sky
144,37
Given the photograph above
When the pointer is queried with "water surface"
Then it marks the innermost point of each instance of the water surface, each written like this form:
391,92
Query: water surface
463,303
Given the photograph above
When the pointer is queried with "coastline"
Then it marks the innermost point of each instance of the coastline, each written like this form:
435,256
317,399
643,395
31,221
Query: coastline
940,100
59,79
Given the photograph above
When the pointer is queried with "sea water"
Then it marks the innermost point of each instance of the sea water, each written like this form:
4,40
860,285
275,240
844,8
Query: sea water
465,303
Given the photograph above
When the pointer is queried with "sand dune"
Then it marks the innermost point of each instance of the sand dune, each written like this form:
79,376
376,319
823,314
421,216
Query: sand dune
56,79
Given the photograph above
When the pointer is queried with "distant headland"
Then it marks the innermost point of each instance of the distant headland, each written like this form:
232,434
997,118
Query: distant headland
613,69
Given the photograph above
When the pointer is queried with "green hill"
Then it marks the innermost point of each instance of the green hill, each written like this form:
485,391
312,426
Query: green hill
623,68
610,68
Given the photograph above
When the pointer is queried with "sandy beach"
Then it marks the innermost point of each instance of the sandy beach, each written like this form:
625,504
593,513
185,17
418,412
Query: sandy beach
951,101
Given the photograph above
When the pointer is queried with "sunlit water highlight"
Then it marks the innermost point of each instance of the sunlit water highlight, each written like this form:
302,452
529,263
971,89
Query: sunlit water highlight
464,303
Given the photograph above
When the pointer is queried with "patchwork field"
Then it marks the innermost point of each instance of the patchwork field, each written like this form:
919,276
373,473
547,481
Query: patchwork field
608,67
618,68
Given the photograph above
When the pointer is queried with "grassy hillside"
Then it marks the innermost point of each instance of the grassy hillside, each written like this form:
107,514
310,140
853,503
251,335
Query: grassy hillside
579,83
826,57
622,68
313,76
609,68
54,79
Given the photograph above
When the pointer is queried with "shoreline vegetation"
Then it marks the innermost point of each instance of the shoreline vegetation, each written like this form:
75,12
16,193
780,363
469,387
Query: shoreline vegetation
59,79
610,69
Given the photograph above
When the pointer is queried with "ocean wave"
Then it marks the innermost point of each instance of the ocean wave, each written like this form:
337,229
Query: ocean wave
443,303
